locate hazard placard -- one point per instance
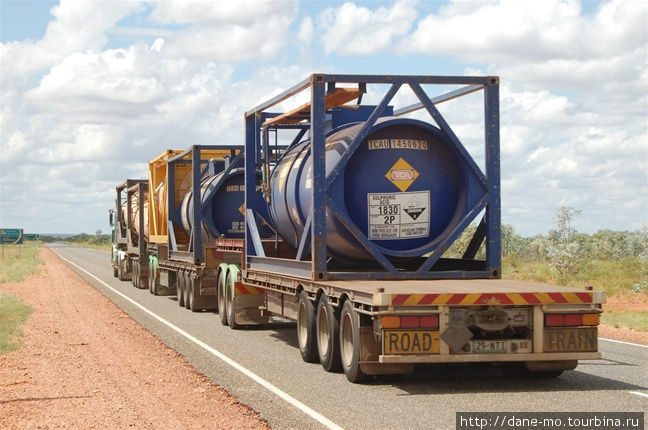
(399, 215)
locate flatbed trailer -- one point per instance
(391, 314)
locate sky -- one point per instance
(91, 90)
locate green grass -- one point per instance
(612, 276)
(629, 319)
(17, 262)
(13, 314)
(90, 244)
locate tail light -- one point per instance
(571, 320)
(410, 321)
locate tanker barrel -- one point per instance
(222, 198)
(405, 189)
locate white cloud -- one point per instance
(240, 12)
(78, 26)
(352, 29)
(510, 30)
(232, 42)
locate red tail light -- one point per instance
(571, 320)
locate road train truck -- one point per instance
(343, 219)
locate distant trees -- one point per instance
(566, 251)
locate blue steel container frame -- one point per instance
(316, 269)
(199, 167)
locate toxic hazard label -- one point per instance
(399, 215)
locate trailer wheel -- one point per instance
(328, 332)
(135, 277)
(151, 278)
(155, 283)
(120, 272)
(192, 297)
(350, 343)
(222, 303)
(187, 289)
(180, 289)
(229, 297)
(306, 329)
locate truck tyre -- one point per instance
(192, 298)
(187, 289)
(135, 277)
(328, 335)
(115, 271)
(306, 329)
(350, 343)
(151, 277)
(222, 302)
(180, 289)
(120, 272)
(229, 298)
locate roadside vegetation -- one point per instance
(615, 262)
(17, 262)
(13, 314)
(98, 241)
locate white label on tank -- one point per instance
(399, 215)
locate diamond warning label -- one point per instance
(402, 174)
(399, 215)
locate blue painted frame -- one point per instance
(316, 235)
(197, 170)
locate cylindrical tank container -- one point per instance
(406, 187)
(134, 212)
(223, 202)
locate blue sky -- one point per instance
(92, 90)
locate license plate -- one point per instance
(411, 342)
(489, 346)
(570, 339)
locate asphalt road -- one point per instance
(264, 369)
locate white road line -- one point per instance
(623, 342)
(285, 396)
(637, 393)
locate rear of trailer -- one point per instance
(366, 202)
(129, 240)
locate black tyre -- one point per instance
(229, 298)
(306, 336)
(350, 344)
(222, 302)
(135, 276)
(120, 272)
(187, 289)
(115, 271)
(180, 289)
(192, 295)
(328, 336)
(154, 275)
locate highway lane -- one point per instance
(427, 398)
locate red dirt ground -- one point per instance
(84, 363)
